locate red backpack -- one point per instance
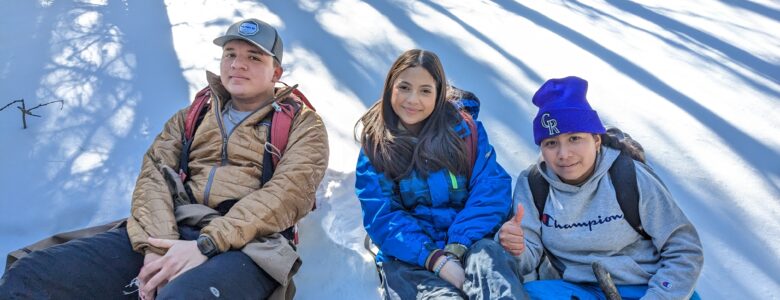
(279, 132)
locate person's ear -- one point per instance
(277, 74)
(597, 141)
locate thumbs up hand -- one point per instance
(511, 233)
(518, 217)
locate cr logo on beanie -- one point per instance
(563, 108)
(550, 124)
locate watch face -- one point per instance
(205, 245)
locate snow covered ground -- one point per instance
(696, 82)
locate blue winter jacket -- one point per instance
(409, 219)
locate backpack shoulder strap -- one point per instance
(195, 114)
(269, 166)
(281, 123)
(201, 101)
(278, 136)
(302, 97)
(622, 173)
(472, 138)
(279, 133)
(467, 104)
(540, 188)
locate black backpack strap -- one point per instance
(540, 188)
(622, 173)
(184, 156)
(268, 172)
(268, 163)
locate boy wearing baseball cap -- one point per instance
(224, 240)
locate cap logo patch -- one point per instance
(248, 28)
(550, 123)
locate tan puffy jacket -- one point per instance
(226, 167)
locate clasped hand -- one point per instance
(159, 270)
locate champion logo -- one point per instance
(549, 221)
(550, 123)
(667, 284)
(248, 28)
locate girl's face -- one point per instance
(572, 156)
(414, 97)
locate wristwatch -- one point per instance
(206, 246)
(456, 249)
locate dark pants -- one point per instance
(104, 266)
(491, 273)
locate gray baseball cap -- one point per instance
(257, 33)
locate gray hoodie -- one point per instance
(584, 224)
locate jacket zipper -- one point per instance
(224, 155)
(218, 115)
(207, 191)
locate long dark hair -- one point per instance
(437, 146)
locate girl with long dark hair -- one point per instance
(429, 208)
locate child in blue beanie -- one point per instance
(582, 223)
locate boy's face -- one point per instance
(247, 72)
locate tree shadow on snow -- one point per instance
(107, 68)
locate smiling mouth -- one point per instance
(410, 110)
(569, 166)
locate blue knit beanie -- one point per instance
(563, 108)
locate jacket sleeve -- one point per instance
(673, 235)
(391, 228)
(287, 197)
(489, 200)
(151, 213)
